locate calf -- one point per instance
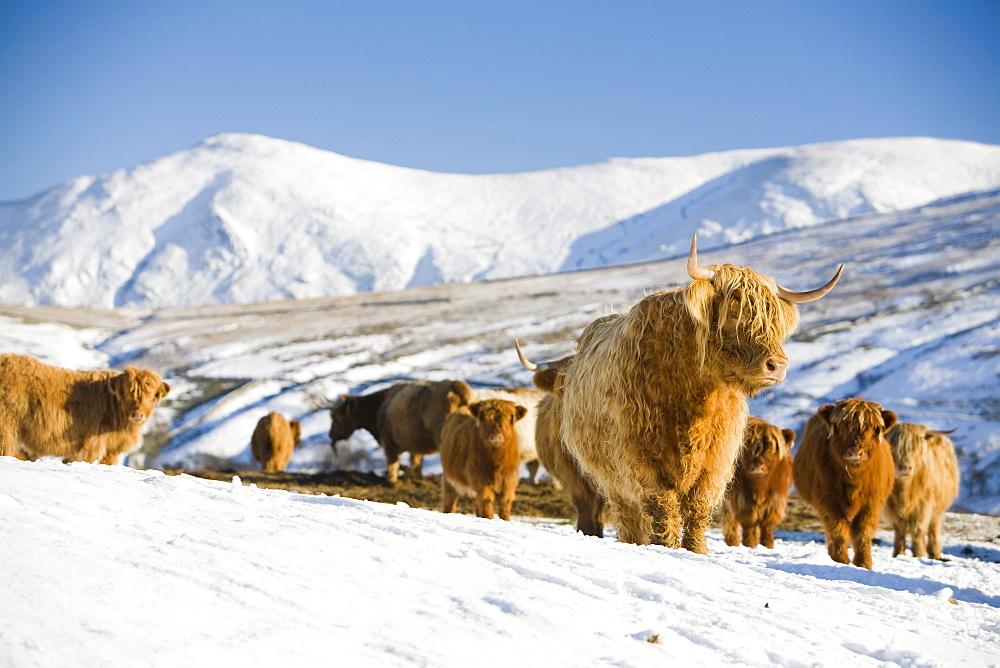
(480, 456)
(843, 468)
(273, 440)
(926, 483)
(528, 398)
(48, 411)
(758, 493)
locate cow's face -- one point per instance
(740, 325)
(856, 429)
(343, 418)
(138, 392)
(764, 446)
(909, 445)
(496, 418)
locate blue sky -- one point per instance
(483, 86)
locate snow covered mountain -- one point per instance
(245, 218)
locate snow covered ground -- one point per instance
(118, 566)
(111, 566)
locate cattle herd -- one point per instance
(646, 427)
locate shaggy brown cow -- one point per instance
(273, 440)
(553, 454)
(843, 469)
(411, 419)
(528, 398)
(926, 483)
(48, 411)
(656, 401)
(480, 456)
(758, 493)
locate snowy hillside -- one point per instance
(244, 218)
(914, 324)
(108, 566)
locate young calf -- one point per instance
(480, 456)
(273, 440)
(844, 470)
(926, 483)
(756, 498)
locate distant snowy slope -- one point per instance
(244, 218)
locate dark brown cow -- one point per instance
(843, 468)
(656, 400)
(480, 456)
(48, 411)
(927, 481)
(352, 412)
(274, 438)
(758, 493)
(553, 454)
(411, 419)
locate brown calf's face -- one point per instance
(139, 391)
(857, 429)
(496, 418)
(343, 418)
(741, 323)
(765, 445)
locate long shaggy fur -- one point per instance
(756, 498)
(352, 412)
(48, 411)
(844, 469)
(274, 438)
(927, 481)
(655, 402)
(480, 456)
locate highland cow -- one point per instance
(758, 493)
(655, 403)
(273, 441)
(480, 456)
(926, 483)
(843, 468)
(528, 398)
(91, 416)
(411, 419)
(352, 412)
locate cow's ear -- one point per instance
(455, 402)
(888, 419)
(475, 408)
(697, 297)
(520, 412)
(163, 391)
(789, 437)
(462, 390)
(826, 413)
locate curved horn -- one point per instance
(944, 433)
(531, 366)
(694, 271)
(810, 295)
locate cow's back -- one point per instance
(272, 442)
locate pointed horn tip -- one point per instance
(530, 366)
